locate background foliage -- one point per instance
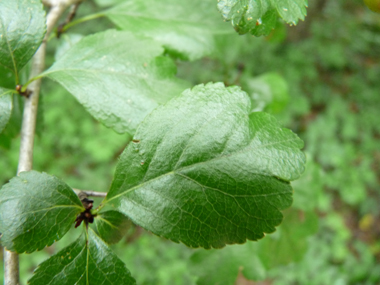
(330, 70)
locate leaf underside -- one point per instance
(118, 77)
(86, 261)
(203, 171)
(36, 209)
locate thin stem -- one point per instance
(64, 29)
(81, 20)
(11, 262)
(31, 80)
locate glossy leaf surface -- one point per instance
(185, 28)
(204, 171)
(5, 107)
(117, 76)
(112, 226)
(259, 17)
(36, 209)
(22, 28)
(86, 261)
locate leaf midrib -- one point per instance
(8, 45)
(192, 165)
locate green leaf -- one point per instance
(13, 127)
(117, 76)
(309, 189)
(204, 171)
(86, 261)
(5, 107)
(36, 209)
(106, 3)
(269, 92)
(185, 28)
(22, 28)
(290, 242)
(66, 41)
(223, 266)
(248, 15)
(112, 226)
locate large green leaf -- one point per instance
(117, 76)
(86, 261)
(204, 171)
(22, 28)
(259, 16)
(5, 107)
(36, 209)
(112, 226)
(185, 28)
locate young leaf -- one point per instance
(204, 171)
(12, 129)
(5, 107)
(22, 28)
(36, 209)
(269, 92)
(291, 240)
(185, 28)
(86, 261)
(223, 266)
(117, 76)
(112, 226)
(248, 15)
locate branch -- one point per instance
(69, 18)
(11, 262)
(91, 193)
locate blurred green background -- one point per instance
(321, 79)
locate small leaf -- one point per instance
(117, 76)
(12, 129)
(86, 261)
(204, 171)
(290, 242)
(22, 28)
(269, 92)
(185, 28)
(248, 15)
(112, 226)
(5, 107)
(36, 209)
(223, 266)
